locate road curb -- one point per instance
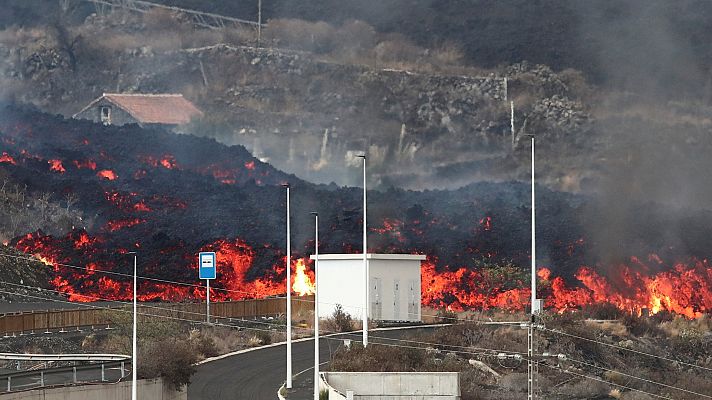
(279, 392)
(243, 351)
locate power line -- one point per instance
(144, 305)
(138, 276)
(449, 345)
(139, 313)
(467, 349)
(627, 349)
(419, 348)
(639, 378)
(256, 294)
(606, 382)
(242, 320)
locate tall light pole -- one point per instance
(530, 334)
(289, 296)
(316, 305)
(366, 282)
(134, 343)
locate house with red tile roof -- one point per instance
(169, 110)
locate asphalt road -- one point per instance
(259, 374)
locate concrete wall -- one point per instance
(153, 389)
(394, 385)
(341, 282)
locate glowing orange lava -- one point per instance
(107, 174)
(302, 281)
(87, 164)
(56, 166)
(6, 158)
(115, 225)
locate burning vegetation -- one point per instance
(192, 194)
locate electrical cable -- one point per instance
(139, 313)
(241, 320)
(606, 382)
(639, 378)
(446, 345)
(626, 349)
(483, 351)
(35, 259)
(144, 305)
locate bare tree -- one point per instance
(66, 42)
(71, 199)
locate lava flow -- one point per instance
(173, 201)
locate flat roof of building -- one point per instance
(371, 256)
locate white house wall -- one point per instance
(404, 273)
(341, 282)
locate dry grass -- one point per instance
(681, 326)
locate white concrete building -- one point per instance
(394, 291)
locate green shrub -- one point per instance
(172, 360)
(640, 326)
(340, 320)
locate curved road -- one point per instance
(258, 374)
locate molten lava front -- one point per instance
(170, 204)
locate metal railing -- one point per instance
(62, 376)
(63, 357)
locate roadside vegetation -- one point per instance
(171, 348)
(609, 351)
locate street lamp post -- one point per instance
(134, 343)
(366, 282)
(533, 265)
(316, 305)
(289, 296)
(531, 366)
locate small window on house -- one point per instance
(105, 115)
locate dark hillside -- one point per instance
(627, 43)
(636, 44)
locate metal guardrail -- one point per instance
(41, 376)
(63, 357)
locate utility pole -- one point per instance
(289, 296)
(316, 305)
(366, 282)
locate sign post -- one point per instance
(207, 271)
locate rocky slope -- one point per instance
(309, 115)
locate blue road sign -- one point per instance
(206, 265)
